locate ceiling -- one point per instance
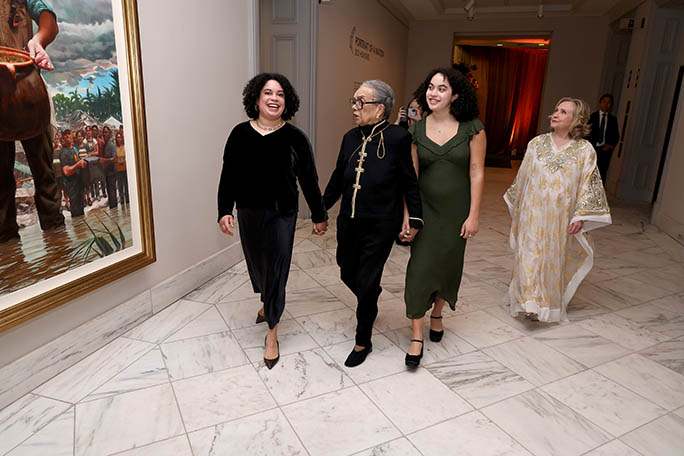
(412, 10)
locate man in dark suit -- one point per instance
(604, 134)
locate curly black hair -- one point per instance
(251, 92)
(463, 108)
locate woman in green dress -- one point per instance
(448, 154)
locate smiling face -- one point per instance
(271, 101)
(562, 117)
(439, 94)
(371, 111)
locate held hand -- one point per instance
(575, 227)
(82, 163)
(470, 227)
(320, 228)
(407, 233)
(227, 223)
(39, 55)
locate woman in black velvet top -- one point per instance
(374, 175)
(262, 162)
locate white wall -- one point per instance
(194, 69)
(575, 60)
(339, 69)
(668, 212)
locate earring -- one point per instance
(256, 106)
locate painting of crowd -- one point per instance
(90, 165)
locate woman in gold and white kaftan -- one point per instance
(556, 199)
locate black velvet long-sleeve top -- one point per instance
(377, 184)
(261, 172)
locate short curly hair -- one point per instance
(579, 127)
(252, 91)
(463, 108)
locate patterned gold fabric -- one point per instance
(554, 187)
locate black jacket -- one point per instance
(387, 179)
(262, 172)
(612, 132)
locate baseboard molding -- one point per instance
(33, 369)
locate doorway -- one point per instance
(509, 74)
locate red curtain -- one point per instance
(515, 81)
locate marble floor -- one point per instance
(191, 380)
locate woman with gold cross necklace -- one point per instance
(374, 175)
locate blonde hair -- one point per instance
(579, 127)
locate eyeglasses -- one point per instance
(358, 103)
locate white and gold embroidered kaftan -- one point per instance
(553, 188)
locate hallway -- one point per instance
(191, 380)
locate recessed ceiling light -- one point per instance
(499, 44)
(541, 44)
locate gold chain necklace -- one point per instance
(264, 127)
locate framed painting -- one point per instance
(75, 200)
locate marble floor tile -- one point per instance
(391, 315)
(266, 433)
(168, 321)
(534, 361)
(344, 294)
(25, 417)
(126, 421)
(210, 322)
(55, 439)
(202, 355)
(305, 246)
(478, 378)
(656, 383)
(622, 331)
(644, 258)
(292, 337)
(327, 241)
(582, 345)
(313, 259)
(614, 448)
(450, 346)
(83, 378)
(240, 268)
(662, 437)
(325, 423)
(636, 291)
(393, 269)
(470, 435)
(415, 399)
(240, 314)
(394, 284)
(330, 328)
(325, 275)
(398, 447)
(673, 303)
(217, 289)
(579, 309)
(385, 359)
(301, 280)
(149, 370)
(311, 301)
(481, 329)
(527, 327)
(241, 293)
(679, 412)
(303, 375)
(596, 293)
(545, 426)
(604, 402)
(176, 446)
(656, 318)
(669, 278)
(670, 354)
(221, 396)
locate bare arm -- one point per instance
(478, 147)
(47, 31)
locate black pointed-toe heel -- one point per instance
(436, 336)
(414, 360)
(270, 363)
(260, 318)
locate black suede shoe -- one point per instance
(436, 336)
(357, 357)
(260, 318)
(414, 360)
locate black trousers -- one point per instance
(603, 162)
(363, 246)
(47, 197)
(111, 189)
(267, 239)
